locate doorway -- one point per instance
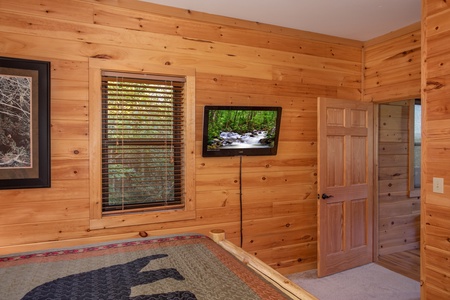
(398, 207)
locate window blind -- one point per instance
(142, 142)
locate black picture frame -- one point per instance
(24, 123)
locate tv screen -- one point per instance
(240, 130)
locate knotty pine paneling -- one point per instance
(76, 11)
(392, 66)
(78, 169)
(400, 160)
(69, 90)
(434, 7)
(236, 62)
(64, 149)
(304, 254)
(212, 31)
(437, 24)
(269, 241)
(392, 73)
(61, 190)
(218, 198)
(398, 214)
(64, 109)
(44, 211)
(286, 208)
(435, 245)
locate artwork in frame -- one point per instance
(24, 123)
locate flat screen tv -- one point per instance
(240, 130)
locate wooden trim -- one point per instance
(413, 191)
(142, 218)
(288, 287)
(363, 73)
(423, 199)
(97, 219)
(189, 142)
(135, 76)
(411, 188)
(376, 206)
(95, 146)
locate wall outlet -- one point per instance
(438, 185)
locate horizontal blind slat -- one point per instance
(142, 141)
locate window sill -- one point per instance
(125, 220)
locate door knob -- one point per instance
(325, 196)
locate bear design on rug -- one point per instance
(114, 282)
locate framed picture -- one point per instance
(24, 123)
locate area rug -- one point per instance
(184, 267)
(366, 282)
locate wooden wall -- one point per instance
(392, 66)
(398, 213)
(436, 149)
(236, 62)
(392, 76)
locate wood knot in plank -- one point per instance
(197, 40)
(102, 56)
(433, 85)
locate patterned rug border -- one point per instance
(98, 247)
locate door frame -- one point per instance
(376, 200)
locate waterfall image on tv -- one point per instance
(240, 130)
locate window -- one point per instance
(415, 143)
(142, 141)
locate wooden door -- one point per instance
(345, 164)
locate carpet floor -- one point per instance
(366, 282)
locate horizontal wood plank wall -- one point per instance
(236, 62)
(398, 214)
(436, 148)
(392, 73)
(392, 66)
